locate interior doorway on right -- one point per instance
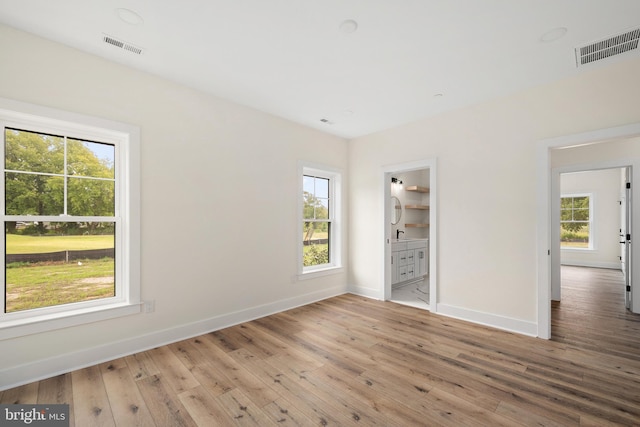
(595, 243)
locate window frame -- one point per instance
(14, 114)
(334, 176)
(590, 223)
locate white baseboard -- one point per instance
(487, 319)
(365, 292)
(518, 326)
(609, 265)
(47, 368)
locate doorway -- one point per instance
(594, 232)
(609, 148)
(410, 232)
(590, 195)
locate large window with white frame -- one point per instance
(320, 234)
(68, 216)
(576, 221)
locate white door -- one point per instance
(625, 236)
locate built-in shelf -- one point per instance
(418, 216)
(417, 188)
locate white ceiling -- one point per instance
(407, 59)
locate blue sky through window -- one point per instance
(105, 152)
(319, 187)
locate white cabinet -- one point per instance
(409, 260)
(422, 263)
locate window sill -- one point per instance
(36, 324)
(320, 272)
(578, 249)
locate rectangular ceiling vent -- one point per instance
(122, 44)
(607, 48)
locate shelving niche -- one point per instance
(417, 189)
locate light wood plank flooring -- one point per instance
(354, 361)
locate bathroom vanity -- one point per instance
(409, 260)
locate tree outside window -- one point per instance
(317, 221)
(60, 224)
(575, 221)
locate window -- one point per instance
(320, 236)
(70, 246)
(576, 221)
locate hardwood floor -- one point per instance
(354, 361)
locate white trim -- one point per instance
(327, 271)
(34, 371)
(127, 215)
(591, 264)
(37, 324)
(336, 203)
(488, 319)
(543, 202)
(366, 292)
(569, 249)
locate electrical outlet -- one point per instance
(149, 306)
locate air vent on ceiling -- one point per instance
(612, 46)
(122, 44)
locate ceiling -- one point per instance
(298, 59)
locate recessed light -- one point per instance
(348, 26)
(348, 112)
(554, 34)
(129, 16)
(438, 95)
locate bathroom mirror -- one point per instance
(396, 210)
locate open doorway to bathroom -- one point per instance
(410, 235)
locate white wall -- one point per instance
(604, 186)
(486, 189)
(219, 203)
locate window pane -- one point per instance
(566, 215)
(574, 235)
(49, 264)
(316, 243)
(581, 202)
(581, 215)
(322, 188)
(33, 152)
(92, 159)
(308, 184)
(308, 211)
(28, 194)
(322, 209)
(316, 197)
(90, 197)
